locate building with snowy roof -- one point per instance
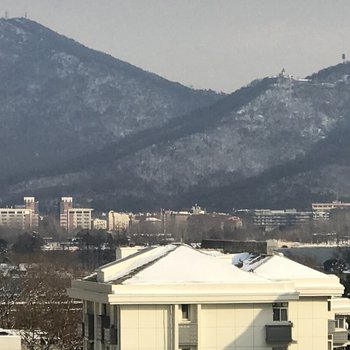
(176, 297)
(308, 282)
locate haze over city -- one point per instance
(218, 45)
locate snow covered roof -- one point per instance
(173, 264)
(340, 306)
(279, 268)
(178, 273)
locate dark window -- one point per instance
(185, 310)
(280, 311)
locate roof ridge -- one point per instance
(259, 260)
(142, 267)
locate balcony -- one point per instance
(102, 321)
(331, 326)
(89, 326)
(340, 336)
(279, 333)
(339, 333)
(188, 334)
(110, 335)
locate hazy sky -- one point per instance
(217, 44)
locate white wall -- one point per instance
(310, 323)
(234, 326)
(145, 327)
(10, 342)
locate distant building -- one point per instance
(65, 204)
(197, 210)
(175, 222)
(23, 216)
(231, 246)
(118, 221)
(267, 218)
(79, 218)
(74, 218)
(30, 203)
(330, 206)
(321, 211)
(99, 224)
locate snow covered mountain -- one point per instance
(279, 142)
(59, 99)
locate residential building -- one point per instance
(279, 268)
(16, 218)
(99, 224)
(267, 218)
(176, 297)
(74, 218)
(23, 216)
(330, 206)
(65, 204)
(33, 205)
(118, 221)
(321, 211)
(79, 218)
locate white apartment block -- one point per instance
(21, 216)
(118, 221)
(79, 218)
(74, 218)
(15, 218)
(267, 218)
(99, 224)
(177, 298)
(321, 211)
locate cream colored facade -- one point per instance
(79, 218)
(175, 297)
(9, 340)
(16, 218)
(74, 218)
(99, 224)
(118, 221)
(321, 211)
(21, 216)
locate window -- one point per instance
(339, 323)
(280, 312)
(104, 309)
(185, 311)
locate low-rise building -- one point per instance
(267, 218)
(99, 224)
(321, 211)
(118, 221)
(175, 297)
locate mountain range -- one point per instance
(76, 121)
